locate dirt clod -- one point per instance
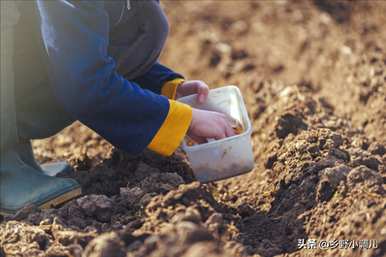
(312, 74)
(289, 123)
(106, 245)
(98, 206)
(329, 181)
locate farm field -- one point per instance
(313, 76)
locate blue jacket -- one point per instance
(129, 114)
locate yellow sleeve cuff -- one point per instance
(173, 130)
(169, 89)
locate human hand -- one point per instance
(208, 124)
(190, 87)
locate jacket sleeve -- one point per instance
(157, 77)
(86, 83)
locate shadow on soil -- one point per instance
(278, 230)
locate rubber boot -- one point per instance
(24, 149)
(21, 184)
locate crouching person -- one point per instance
(95, 62)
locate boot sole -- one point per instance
(55, 201)
(62, 199)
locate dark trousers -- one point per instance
(30, 108)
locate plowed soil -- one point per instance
(313, 75)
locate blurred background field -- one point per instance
(313, 76)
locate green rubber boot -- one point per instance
(21, 183)
(51, 169)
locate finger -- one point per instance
(221, 117)
(229, 132)
(233, 122)
(228, 128)
(202, 91)
(201, 98)
(220, 135)
(187, 88)
(199, 140)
